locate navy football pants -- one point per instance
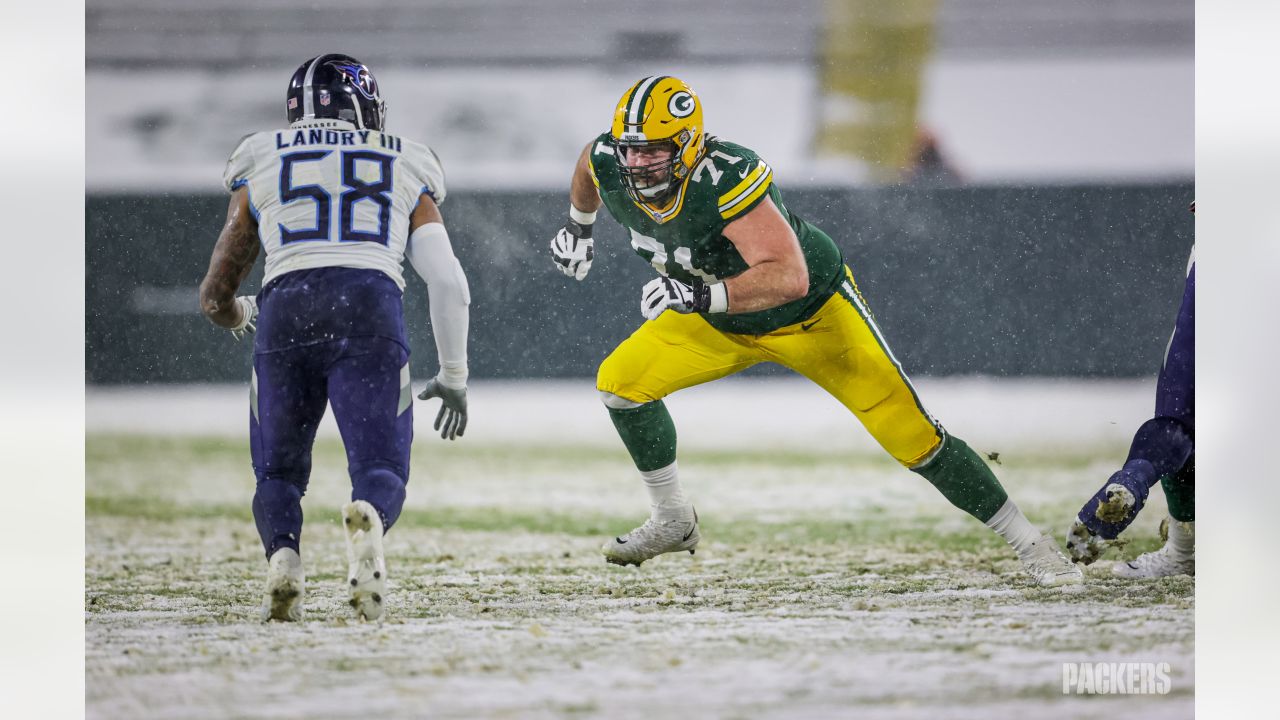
(1167, 441)
(1164, 446)
(366, 380)
(1176, 386)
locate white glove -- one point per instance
(661, 293)
(573, 249)
(248, 306)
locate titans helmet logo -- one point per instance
(681, 104)
(360, 77)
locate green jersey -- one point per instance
(684, 240)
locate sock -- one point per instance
(1010, 524)
(1182, 538)
(648, 433)
(962, 477)
(1180, 492)
(666, 498)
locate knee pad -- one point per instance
(614, 402)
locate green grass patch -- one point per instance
(108, 449)
(902, 533)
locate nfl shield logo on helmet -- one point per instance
(324, 97)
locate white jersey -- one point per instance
(328, 194)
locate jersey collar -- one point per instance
(322, 123)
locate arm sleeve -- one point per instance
(239, 165)
(431, 255)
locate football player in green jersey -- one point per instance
(745, 281)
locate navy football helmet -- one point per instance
(336, 86)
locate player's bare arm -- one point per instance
(572, 248)
(777, 273)
(233, 257)
(582, 191)
(425, 212)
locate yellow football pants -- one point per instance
(840, 348)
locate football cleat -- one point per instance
(652, 539)
(285, 587)
(1083, 545)
(1156, 564)
(367, 570)
(1044, 562)
(1170, 559)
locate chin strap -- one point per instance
(651, 193)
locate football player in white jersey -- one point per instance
(336, 203)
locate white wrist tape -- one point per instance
(719, 298)
(453, 375)
(245, 306)
(582, 218)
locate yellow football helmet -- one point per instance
(658, 112)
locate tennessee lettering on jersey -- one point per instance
(328, 194)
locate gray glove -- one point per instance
(451, 421)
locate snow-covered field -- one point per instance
(829, 583)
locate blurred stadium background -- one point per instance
(1008, 181)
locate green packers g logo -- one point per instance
(681, 104)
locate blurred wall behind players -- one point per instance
(830, 91)
(1027, 164)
